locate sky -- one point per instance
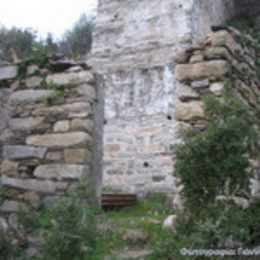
(54, 16)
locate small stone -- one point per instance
(200, 83)
(187, 111)
(169, 221)
(76, 156)
(54, 156)
(222, 38)
(32, 197)
(60, 140)
(9, 72)
(32, 69)
(60, 172)
(134, 236)
(181, 57)
(87, 91)
(33, 82)
(12, 206)
(75, 69)
(185, 93)
(15, 85)
(13, 222)
(196, 58)
(10, 168)
(3, 224)
(78, 124)
(62, 126)
(217, 88)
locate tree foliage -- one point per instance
(77, 42)
(23, 43)
(16, 40)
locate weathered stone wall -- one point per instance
(134, 47)
(225, 57)
(46, 129)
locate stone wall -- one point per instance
(134, 47)
(226, 56)
(48, 116)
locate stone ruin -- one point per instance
(114, 124)
(145, 101)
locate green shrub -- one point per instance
(215, 162)
(73, 234)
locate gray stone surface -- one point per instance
(29, 96)
(12, 206)
(27, 124)
(23, 152)
(60, 172)
(79, 124)
(9, 72)
(73, 78)
(64, 110)
(185, 92)
(33, 82)
(44, 186)
(187, 111)
(87, 91)
(210, 69)
(60, 140)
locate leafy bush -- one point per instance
(215, 162)
(73, 234)
(211, 163)
(7, 249)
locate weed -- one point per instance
(52, 97)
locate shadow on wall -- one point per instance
(247, 8)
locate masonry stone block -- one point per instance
(45, 186)
(210, 69)
(28, 124)
(187, 111)
(185, 92)
(222, 38)
(9, 72)
(12, 206)
(29, 96)
(64, 110)
(23, 152)
(33, 82)
(60, 140)
(73, 78)
(79, 124)
(61, 172)
(62, 126)
(75, 156)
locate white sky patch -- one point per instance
(54, 16)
